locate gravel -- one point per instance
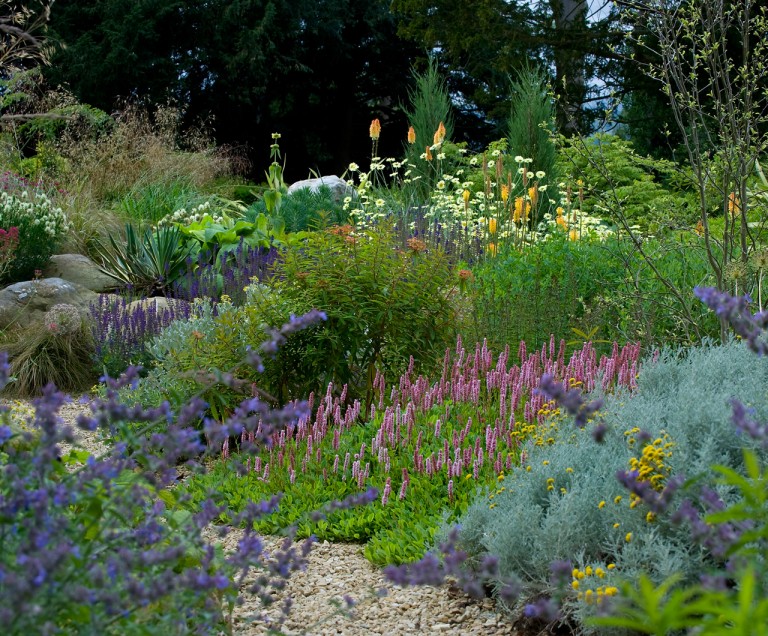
(338, 569)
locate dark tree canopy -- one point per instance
(317, 71)
(483, 44)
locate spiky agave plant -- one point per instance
(149, 263)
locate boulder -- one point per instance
(160, 304)
(22, 304)
(77, 268)
(338, 187)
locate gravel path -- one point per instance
(338, 569)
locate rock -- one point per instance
(160, 304)
(338, 187)
(77, 268)
(22, 304)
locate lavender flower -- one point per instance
(735, 310)
(571, 400)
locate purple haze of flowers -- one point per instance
(735, 310)
(122, 334)
(432, 570)
(226, 273)
(92, 546)
(573, 402)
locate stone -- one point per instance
(159, 304)
(77, 268)
(338, 187)
(22, 304)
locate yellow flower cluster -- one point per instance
(652, 464)
(590, 596)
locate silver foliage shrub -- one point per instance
(684, 394)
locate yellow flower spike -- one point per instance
(628, 537)
(504, 193)
(465, 196)
(611, 566)
(375, 129)
(492, 249)
(492, 226)
(601, 505)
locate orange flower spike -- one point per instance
(440, 134)
(492, 226)
(734, 205)
(533, 193)
(504, 193)
(375, 129)
(518, 209)
(411, 135)
(429, 154)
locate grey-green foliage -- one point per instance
(685, 394)
(430, 104)
(531, 120)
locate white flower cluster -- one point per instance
(35, 210)
(184, 217)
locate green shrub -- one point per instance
(41, 226)
(384, 304)
(617, 181)
(307, 210)
(587, 290)
(430, 106)
(565, 502)
(531, 123)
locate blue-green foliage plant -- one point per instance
(565, 502)
(306, 209)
